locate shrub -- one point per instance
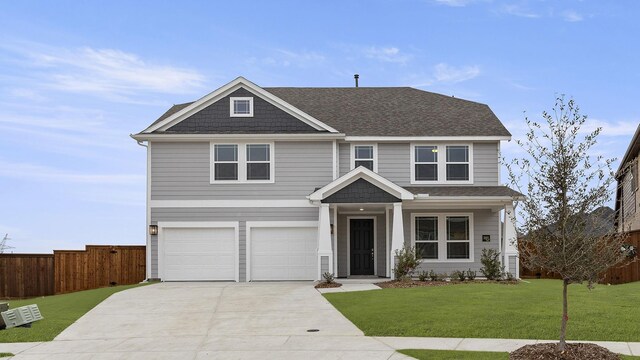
(471, 275)
(458, 275)
(423, 275)
(432, 275)
(328, 277)
(407, 261)
(509, 276)
(491, 268)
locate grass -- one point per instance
(467, 355)
(5, 354)
(455, 355)
(58, 311)
(526, 311)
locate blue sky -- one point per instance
(76, 78)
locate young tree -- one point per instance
(564, 183)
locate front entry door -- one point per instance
(361, 246)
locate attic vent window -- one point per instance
(241, 107)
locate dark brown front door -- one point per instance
(361, 243)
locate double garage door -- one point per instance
(274, 251)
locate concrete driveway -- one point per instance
(213, 321)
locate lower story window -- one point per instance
(443, 237)
(458, 241)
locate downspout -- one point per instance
(148, 211)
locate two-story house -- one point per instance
(627, 195)
(250, 183)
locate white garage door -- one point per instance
(284, 253)
(199, 254)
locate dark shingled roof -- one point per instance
(388, 111)
(463, 190)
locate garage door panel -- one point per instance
(283, 253)
(199, 254)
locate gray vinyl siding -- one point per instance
(242, 215)
(344, 158)
(394, 162)
(486, 167)
(343, 244)
(181, 171)
(485, 222)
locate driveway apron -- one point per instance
(275, 320)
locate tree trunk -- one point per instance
(565, 317)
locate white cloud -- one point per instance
(446, 73)
(454, 3)
(108, 72)
(387, 54)
(45, 173)
(520, 11)
(572, 16)
(611, 128)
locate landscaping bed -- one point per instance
(403, 284)
(572, 352)
(484, 355)
(326, 285)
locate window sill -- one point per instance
(216, 182)
(446, 261)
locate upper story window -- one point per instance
(241, 107)
(458, 163)
(441, 164)
(242, 163)
(443, 237)
(364, 155)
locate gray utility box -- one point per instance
(21, 316)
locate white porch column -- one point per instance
(397, 235)
(324, 241)
(510, 239)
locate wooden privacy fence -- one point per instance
(29, 275)
(26, 275)
(615, 275)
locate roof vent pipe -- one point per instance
(356, 76)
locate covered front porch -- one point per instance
(364, 219)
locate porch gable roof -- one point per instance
(370, 177)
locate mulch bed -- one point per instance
(326, 285)
(403, 284)
(579, 351)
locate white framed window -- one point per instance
(225, 162)
(457, 162)
(443, 237)
(441, 164)
(242, 163)
(364, 155)
(241, 106)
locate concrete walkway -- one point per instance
(234, 321)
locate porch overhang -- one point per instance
(369, 176)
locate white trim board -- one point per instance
(239, 82)
(233, 137)
(263, 224)
(375, 242)
(198, 224)
(425, 138)
(266, 203)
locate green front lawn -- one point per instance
(58, 311)
(526, 311)
(455, 355)
(467, 355)
(5, 354)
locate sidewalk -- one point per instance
(397, 343)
